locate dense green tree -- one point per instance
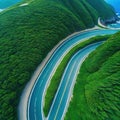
(28, 33)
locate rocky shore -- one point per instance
(114, 19)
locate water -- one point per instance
(115, 25)
(7, 3)
(115, 4)
(1, 10)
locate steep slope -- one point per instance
(101, 7)
(97, 92)
(28, 33)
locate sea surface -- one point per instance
(115, 4)
(115, 25)
(7, 3)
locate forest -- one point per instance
(28, 33)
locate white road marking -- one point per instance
(64, 90)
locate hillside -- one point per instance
(100, 8)
(97, 92)
(28, 33)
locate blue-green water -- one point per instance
(115, 4)
(115, 25)
(1, 10)
(7, 3)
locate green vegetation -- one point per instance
(55, 81)
(28, 33)
(97, 91)
(100, 8)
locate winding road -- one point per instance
(35, 104)
(67, 83)
(32, 100)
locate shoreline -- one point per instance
(1, 10)
(106, 27)
(100, 24)
(22, 107)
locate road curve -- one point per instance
(35, 103)
(65, 89)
